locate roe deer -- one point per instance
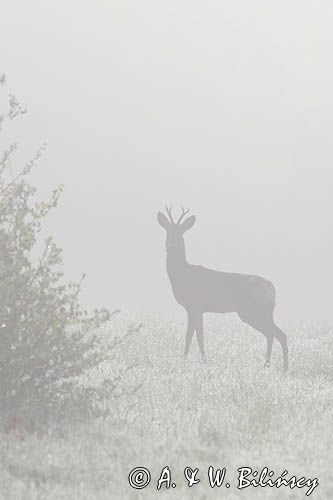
(201, 290)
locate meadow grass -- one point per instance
(230, 412)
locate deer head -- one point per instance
(175, 230)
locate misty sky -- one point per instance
(223, 107)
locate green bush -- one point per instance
(46, 337)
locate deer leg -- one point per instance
(189, 332)
(269, 350)
(263, 324)
(282, 338)
(199, 330)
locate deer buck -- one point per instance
(200, 290)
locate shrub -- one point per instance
(46, 337)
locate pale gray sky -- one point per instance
(224, 107)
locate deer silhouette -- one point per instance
(200, 290)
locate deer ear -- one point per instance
(188, 223)
(162, 220)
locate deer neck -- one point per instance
(176, 263)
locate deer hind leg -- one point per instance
(283, 339)
(270, 339)
(263, 323)
(200, 339)
(189, 332)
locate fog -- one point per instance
(223, 107)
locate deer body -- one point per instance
(200, 290)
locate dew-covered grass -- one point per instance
(230, 412)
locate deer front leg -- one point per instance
(199, 329)
(190, 332)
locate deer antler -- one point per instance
(184, 212)
(169, 213)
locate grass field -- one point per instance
(228, 413)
